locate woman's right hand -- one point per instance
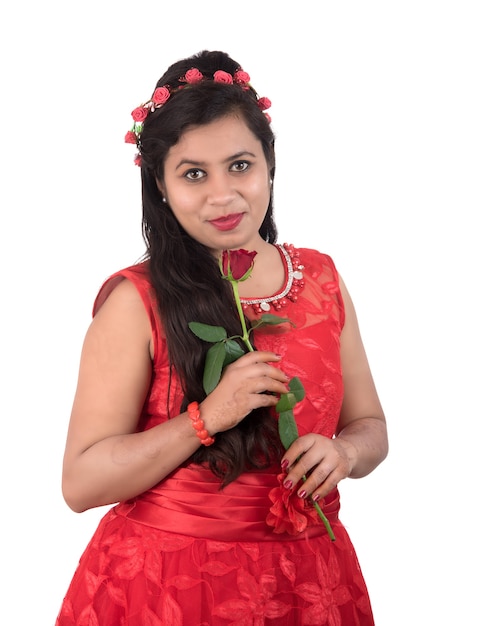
(250, 382)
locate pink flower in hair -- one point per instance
(241, 77)
(222, 77)
(130, 137)
(139, 114)
(193, 76)
(161, 95)
(263, 103)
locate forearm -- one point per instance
(365, 442)
(121, 467)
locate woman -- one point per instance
(216, 522)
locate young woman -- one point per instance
(216, 522)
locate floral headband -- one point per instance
(162, 94)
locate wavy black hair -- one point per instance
(184, 274)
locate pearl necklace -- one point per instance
(294, 284)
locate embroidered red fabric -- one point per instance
(187, 553)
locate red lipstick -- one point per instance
(228, 222)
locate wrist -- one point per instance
(350, 452)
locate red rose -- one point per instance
(289, 513)
(241, 77)
(137, 160)
(267, 117)
(139, 114)
(222, 77)
(264, 103)
(161, 95)
(130, 137)
(237, 264)
(193, 76)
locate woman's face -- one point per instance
(217, 183)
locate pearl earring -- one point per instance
(164, 199)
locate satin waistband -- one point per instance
(190, 502)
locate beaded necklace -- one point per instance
(293, 286)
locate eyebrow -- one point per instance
(233, 157)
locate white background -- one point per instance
(389, 129)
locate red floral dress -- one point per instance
(188, 553)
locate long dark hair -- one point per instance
(184, 274)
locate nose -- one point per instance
(220, 190)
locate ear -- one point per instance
(161, 187)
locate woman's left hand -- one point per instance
(323, 461)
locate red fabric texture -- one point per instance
(187, 553)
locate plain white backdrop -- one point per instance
(388, 118)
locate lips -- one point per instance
(228, 222)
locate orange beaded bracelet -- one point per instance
(198, 424)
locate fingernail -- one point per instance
(302, 494)
(284, 464)
(288, 484)
(316, 497)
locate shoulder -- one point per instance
(128, 294)
(315, 262)
(131, 282)
(320, 268)
(120, 312)
(312, 254)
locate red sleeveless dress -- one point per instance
(188, 553)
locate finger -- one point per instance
(262, 356)
(326, 476)
(259, 373)
(263, 369)
(320, 482)
(293, 459)
(264, 399)
(315, 458)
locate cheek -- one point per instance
(261, 188)
(266, 194)
(181, 200)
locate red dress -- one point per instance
(188, 553)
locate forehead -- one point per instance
(225, 136)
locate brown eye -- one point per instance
(240, 166)
(194, 174)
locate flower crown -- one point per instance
(162, 94)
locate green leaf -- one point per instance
(287, 428)
(232, 351)
(286, 402)
(213, 367)
(295, 386)
(271, 320)
(268, 318)
(208, 333)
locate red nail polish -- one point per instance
(302, 494)
(288, 484)
(284, 464)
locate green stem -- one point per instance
(245, 337)
(325, 521)
(323, 517)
